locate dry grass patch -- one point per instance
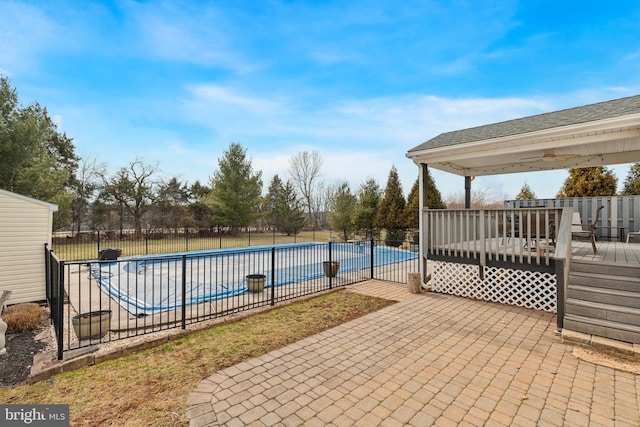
(22, 317)
(151, 387)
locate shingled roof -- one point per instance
(572, 116)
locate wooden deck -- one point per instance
(610, 252)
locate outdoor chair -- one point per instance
(633, 234)
(538, 230)
(504, 229)
(577, 230)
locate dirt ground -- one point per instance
(22, 347)
(610, 360)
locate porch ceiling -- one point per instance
(598, 134)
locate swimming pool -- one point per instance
(151, 284)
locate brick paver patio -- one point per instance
(430, 359)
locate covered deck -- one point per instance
(527, 257)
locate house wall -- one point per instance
(25, 226)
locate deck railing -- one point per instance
(620, 215)
(492, 236)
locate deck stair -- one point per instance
(604, 300)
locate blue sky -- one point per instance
(361, 82)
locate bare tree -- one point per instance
(86, 186)
(304, 170)
(322, 202)
(134, 189)
(480, 199)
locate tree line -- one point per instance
(597, 181)
(39, 161)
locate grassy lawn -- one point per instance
(72, 251)
(150, 388)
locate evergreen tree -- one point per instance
(343, 208)
(288, 213)
(632, 181)
(170, 208)
(368, 196)
(589, 182)
(526, 193)
(201, 213)
(235, 189)
(434, 201)
(271, 200)
(391, 210)
(36, 160)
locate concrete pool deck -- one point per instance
(85, 295)
(430, 359)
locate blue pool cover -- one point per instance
(151, 284)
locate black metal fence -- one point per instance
(115, 298)
(86, 245)
(54, 289)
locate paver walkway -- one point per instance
(428, 360)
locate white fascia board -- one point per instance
(571, 135)
(51, 206)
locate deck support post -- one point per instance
(422, 227)
(467, 191)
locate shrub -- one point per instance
(394, 238)
(22, 317)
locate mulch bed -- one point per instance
(22, 347)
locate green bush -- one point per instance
(394, 238)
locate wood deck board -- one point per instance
(608, 251)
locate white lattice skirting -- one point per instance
(523, 288)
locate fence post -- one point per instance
(98, 242)
(186, 240)
(59, 310)
(372, 257)
(47, 273)
(330, 264)
(273, 276)
(184, 291)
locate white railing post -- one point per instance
(563, 262)
(483, 243)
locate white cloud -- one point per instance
(25, 33)
(363, 138)
(213, 98)
(187, 32)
